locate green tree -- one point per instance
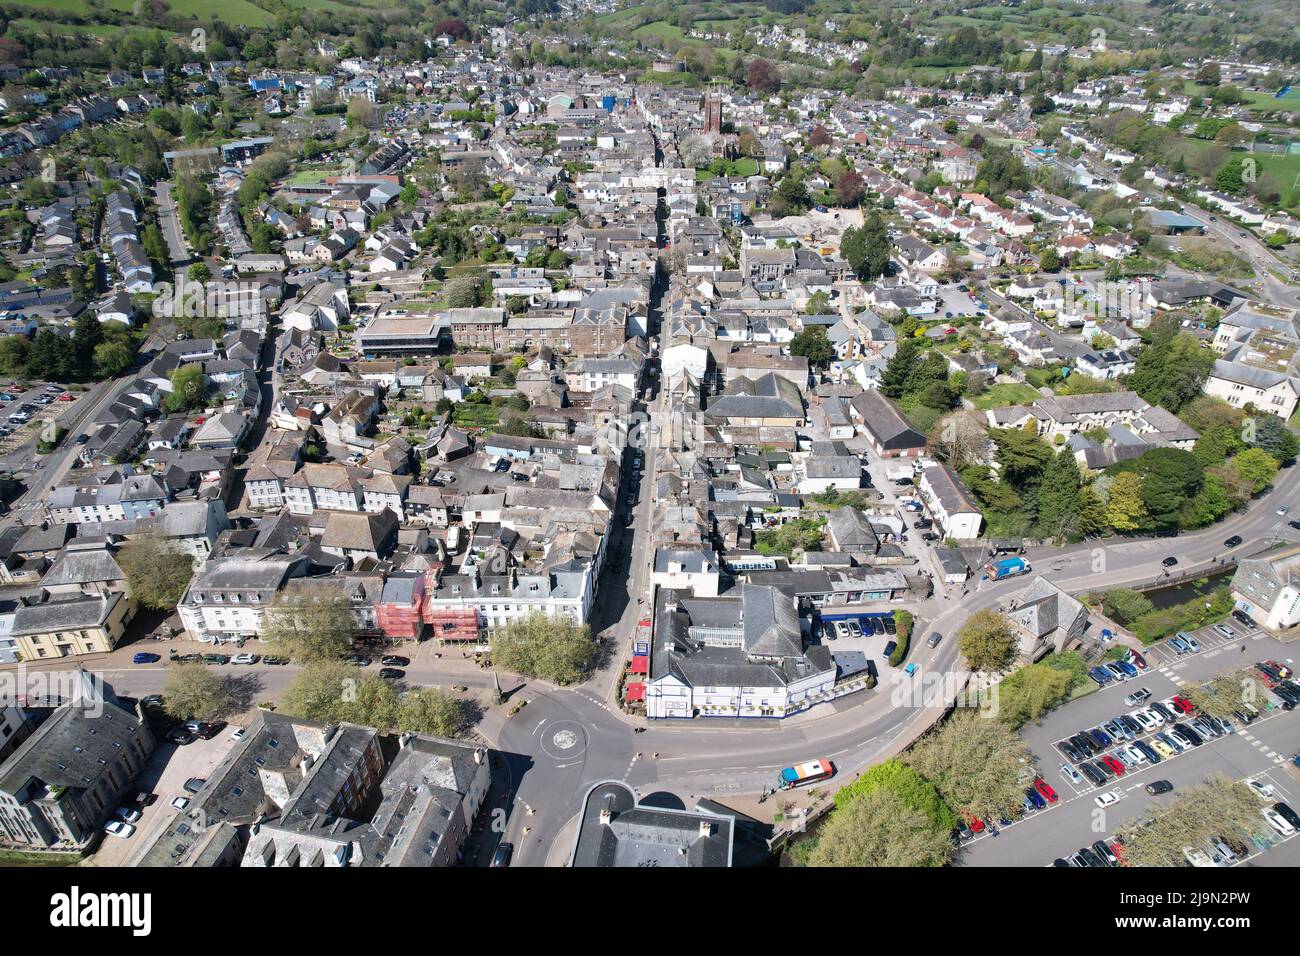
(1125, 510)
(1256, 467)
(987, 640)
(977, 764)
(1171, 370)
(545, 647)
(193, 691)
(189, 389)
(310, 626)
(111, 360)
(1030, 692)
(1060, 495)
(814, 345)
(880, 829)
(157, 572)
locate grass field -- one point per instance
(1013, 393)
(238, 12)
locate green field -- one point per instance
(238, 12)
(1013, 393)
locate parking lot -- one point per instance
(165, 775)
(38, 402)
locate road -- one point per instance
(1262, 259)
(177, 247)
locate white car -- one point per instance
(237, 734)
(1262, 790)
(1137, 755)
(1284, 509)
(1143, 717)
(1069, 773)
(1196, 857)
(1155, 716)
(180, 803)
(127, 814)
(1276, 821)
(124, 830)
(1107, 799)
(244, 659)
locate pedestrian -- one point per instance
(1243, 648)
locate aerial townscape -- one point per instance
(601, 433)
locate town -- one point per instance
(601, 434)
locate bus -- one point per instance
(803, 774)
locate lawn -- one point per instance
(237, 12)
(1010, 393)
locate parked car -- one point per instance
(1107, 799)
(1226, 631)
(360, 660)
(127, 814)
(394, 660)
(1045, 790)
(392, 673)
(146, 658)
(1070, 774)
(1277, 822)
(275, 661)
(119, 829)
(244, 659)
(180, 803)
(181, 736)
(216, 659)
(194, 784)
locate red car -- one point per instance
(975, 823)
(1114, 765)
(1280, 668)
(1045, 791)
(1118, 849)
(1183, 704)
(67, 397)
(1137, 660)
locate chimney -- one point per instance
(606, 817)
(706, 829)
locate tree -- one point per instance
(1021, 454)
(1050, 260)
(820, 136)
(1125, 510)
(157, 572)
(762, 76)
(1059, 495)
(880, 829)
(361, 112)
(193, 691)
(850, 188)
(87, 334)
(1208, 74)
(1256, 467)
(866, 249)
(464, 292)
(111, 360)
(959, 438)
(1269, 433)
(791, 196)
(334, 692)
(310, 626)
(987, 640)
(896, 379)
(1030, 692)
(1126, 605)
(814, 345)
(975, 763)
(1171, 371)
(189, 389)
(13, 355)
(545, 647)
(1215, 808)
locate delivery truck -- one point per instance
(1006, 568)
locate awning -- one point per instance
(634, 691)
(640, 665)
